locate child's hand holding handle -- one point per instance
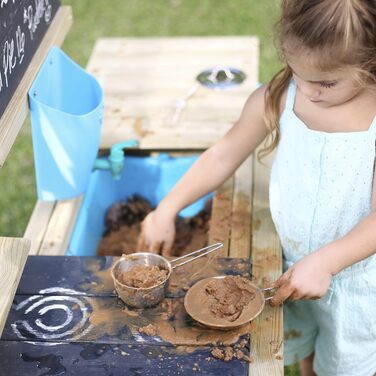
(309, 278)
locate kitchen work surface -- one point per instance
(66, 319)
(152, 94)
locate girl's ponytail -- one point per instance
(273, 96)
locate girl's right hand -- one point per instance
(157, 233)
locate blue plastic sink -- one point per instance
(150, 177)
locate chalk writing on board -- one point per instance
(34, 14)
(23, 24)
(5, 2)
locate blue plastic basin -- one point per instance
(150, 177)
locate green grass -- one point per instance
(95, 18)
(116, 18)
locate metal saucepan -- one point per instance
(200, 310)
(138, 297)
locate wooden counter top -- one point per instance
(145, 78)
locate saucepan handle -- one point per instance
(200, 252)
(269, 292)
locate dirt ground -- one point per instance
(123, 224)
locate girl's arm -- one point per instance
(310, 277)
(213, 168)
(357, 245)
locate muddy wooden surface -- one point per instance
(143, 89)
(68, 304)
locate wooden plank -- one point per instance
(241, 219)
(17, 109)
(21, 358)
(13, 254)
(37, 225)
(220, 221)
(60, 226)
(267, 334)
(139, 76)
(109, 46)
(90, 276)
(164, 139)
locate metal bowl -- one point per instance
(221, 77)
(139, 297)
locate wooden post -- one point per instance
(13, 255)
(241, 218)
(220, 221)
(267, 334)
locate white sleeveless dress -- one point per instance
(320, 188)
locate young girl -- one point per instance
(319, 113)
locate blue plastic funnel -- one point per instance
(66, 105)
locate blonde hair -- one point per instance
(335, 33)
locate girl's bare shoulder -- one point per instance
(256, 101)
(255, 105)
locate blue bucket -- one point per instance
(66, 105)
(149, 177)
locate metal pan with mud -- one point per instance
(200, 311)
(140, 297)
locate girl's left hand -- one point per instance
(309, 278)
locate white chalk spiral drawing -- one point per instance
(76, 311)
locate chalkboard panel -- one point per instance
(23, 24)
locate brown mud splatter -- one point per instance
(291, 334)
(123, 227)
(170, 319)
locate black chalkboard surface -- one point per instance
(23, 24)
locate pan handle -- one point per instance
(208, 249)
(267, 291)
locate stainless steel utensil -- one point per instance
(139, 297)
(200, 311)
(221, 77)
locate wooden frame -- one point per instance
(17, 110)
(13, 255)
(241, 220)
(266, 256)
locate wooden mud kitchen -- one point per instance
(59, 313)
